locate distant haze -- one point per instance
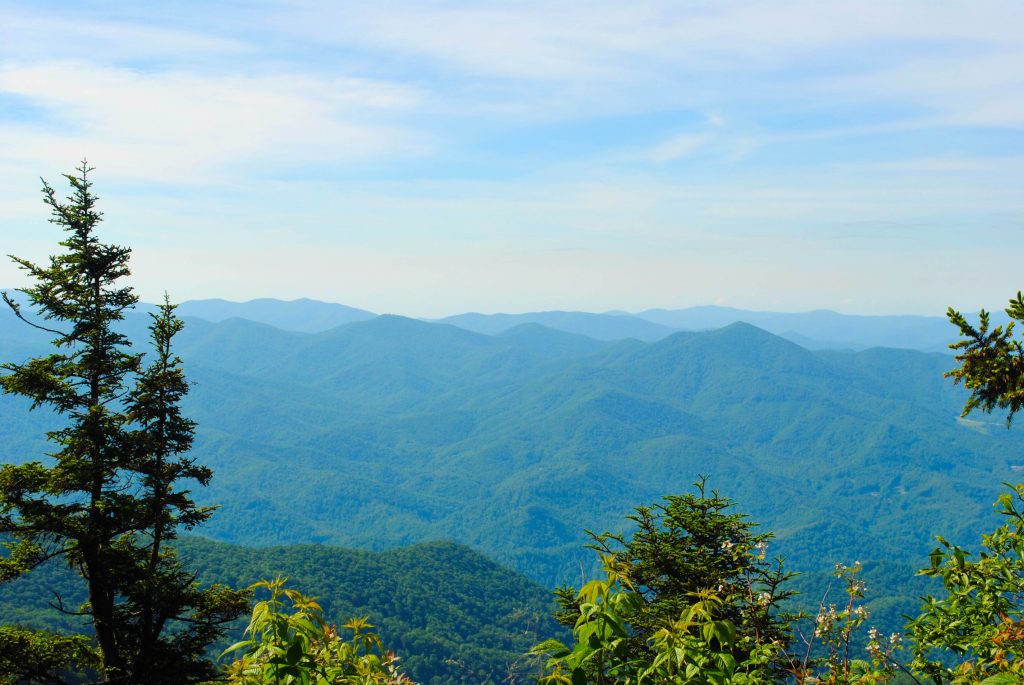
(436, 158)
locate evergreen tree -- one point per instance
(687, 547)
(108, 499)
(991, 361)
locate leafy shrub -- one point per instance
(300, 648)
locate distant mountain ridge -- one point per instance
(596, 326)
(820, 329)
(816, 330)
(304, 315)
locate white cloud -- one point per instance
(615, 55)
(182, 127)
(676, 147)
(41, 35)
(983, 89)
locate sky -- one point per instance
(430, 158)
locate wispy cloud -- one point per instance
(694, 53)
(676, 147)
(37, 33)
(182, 127)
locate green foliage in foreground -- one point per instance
(697, 647)
(300, 648)
(686, 547)
(968, 633)
(973, 633)
(701, 648)
(980, 619)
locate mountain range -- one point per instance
(819, 329)
(392, 431)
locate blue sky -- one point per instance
(432, 158)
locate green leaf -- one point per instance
(294, 654)
(235, 647)
(1002, 679)
(553, 647)
(725, 631)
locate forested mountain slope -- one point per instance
(451, 614)
(392, 431)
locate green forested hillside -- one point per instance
(451, 614)
(393, 431)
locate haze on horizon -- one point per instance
(435, 158)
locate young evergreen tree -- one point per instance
(108, 498)
(690, 546)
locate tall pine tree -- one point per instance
(109, 497)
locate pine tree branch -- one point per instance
(16, 308)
